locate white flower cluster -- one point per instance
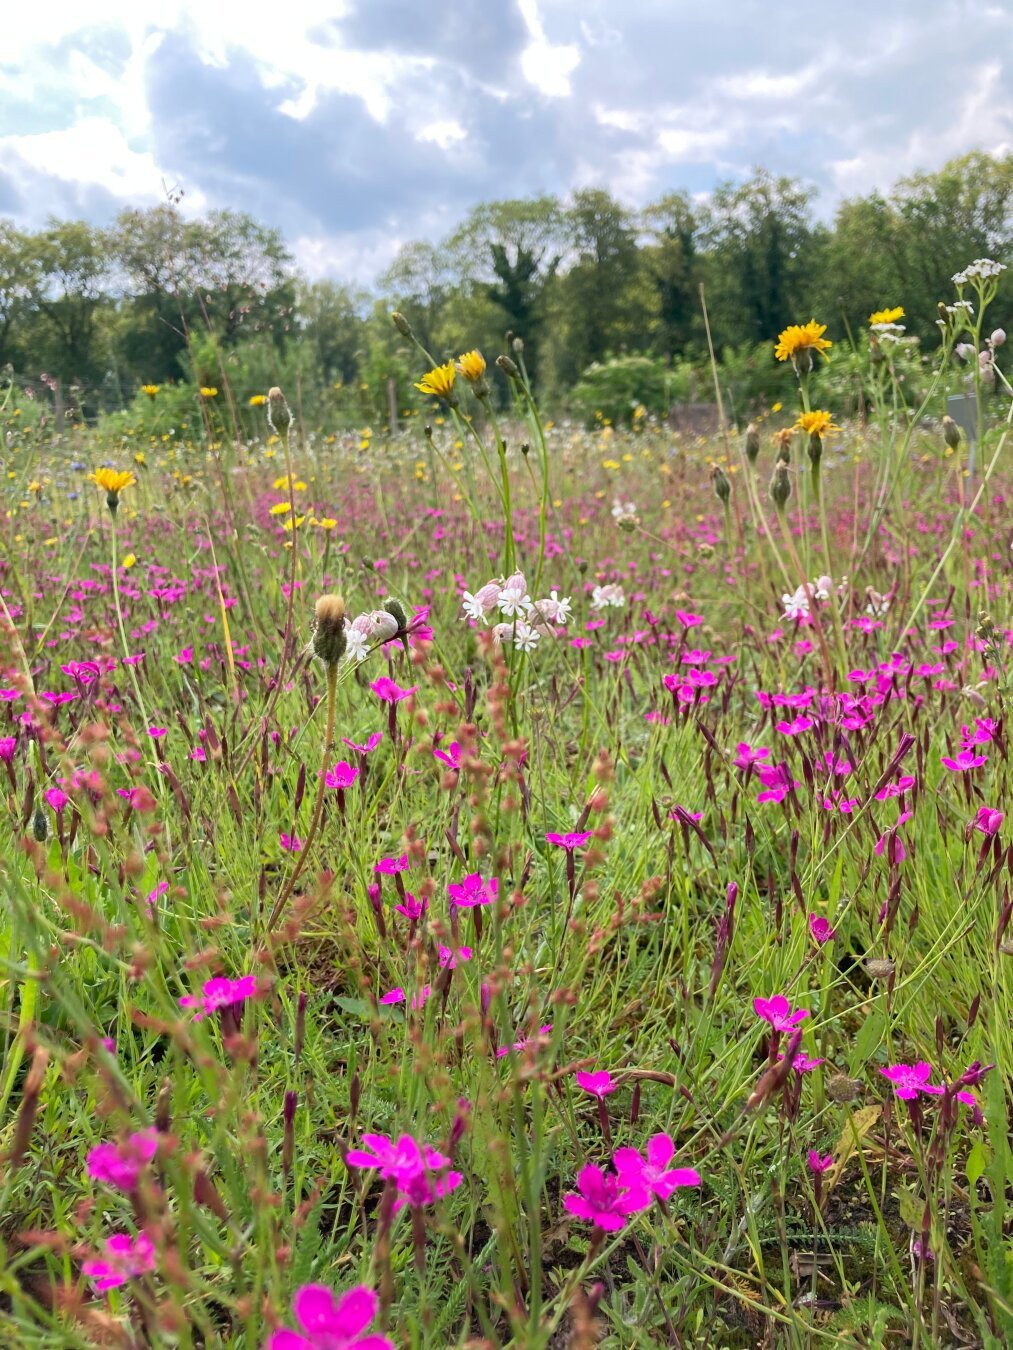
(364, 632)
(797, 606)
(622, 510)
(982, 269)
(605, 597)
(529, 620)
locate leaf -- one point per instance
(358, 1007)
(977, 1161)
(858, 1125)
(867, 1041)
(912, 1208)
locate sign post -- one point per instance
(963, 408)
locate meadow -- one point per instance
(512, 884)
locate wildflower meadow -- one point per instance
(514, 882)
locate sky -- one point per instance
(356, 125)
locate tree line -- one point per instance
(157, 298)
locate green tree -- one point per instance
(20, 279)
(72, 290)
(671, 257)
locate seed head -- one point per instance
(951, 432)
(878, 968)
(841, 1088)
(279, 414)
(329, 639)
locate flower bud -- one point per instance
(951, 432)
(401, 324)
(509, 367)
(998, 337)
(395, 609)
(815, 448)
(722, 487)
(279, 414)
(752, 446)
(383, 625)
(329, 639)
(780, 486)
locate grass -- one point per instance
(164, 725)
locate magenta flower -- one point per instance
(569, 841)
(7, 747)
(911, 1079)
(291, 843)
(777, 1011)
(818, 1164)
(419, 1170)
(156, 733)
(604, 1200)
(803, 1064)
(820, 929)
(599, 1084)
(988, 820)
(451, 756)
(745, 755)
(387, 867)
(777, 782)
(890, 838)
(412, 908)
(387, 691)
(653, 1173)
(449, 958)
(964, 761)
(370, 745)
(220, 993)
(895, 789)
(124, 1258)
(473, 890)
(56, 798)
(526, 1042)
(120, 1165)
(331, 1323)
(342, 776)
(398, 995)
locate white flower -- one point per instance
(564, 607)
(603, 596)
(472, 607)
(620, 509)
(796, 606)
(526, 638)
(357, 645)
(514, 602)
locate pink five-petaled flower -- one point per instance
(599, 1084)
(220, 993)
(7, 748)
(604, 1200)
(343, 775)
(370, 745)
(820, 929)
(291, 843)
(964, 761)
(745, 755)
(120, 1165)
(988, 820)
(526, 1042)
(818, 1164)
(451, 756)
(387, 867)
(569, 841)
(388, 691)
(398, 995)
(331, 1323)
(473, 890)
(418, 1170)
(124, 1258)
(412, 908)
(653, 1172)
(910, 1079)
(777, 1011)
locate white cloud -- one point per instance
(547, 66)
(442, 133)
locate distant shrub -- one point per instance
(613, 391)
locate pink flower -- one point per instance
(569, 841)
(899, 852)
(777, 1011)
(156, 733)
(387, 691)
(290, 843)
(450, 756)
(412, 908)
(387, 867)
(599, 1084)
(965, 761)
(343, 775)
(820, 929)
(527, 1042)
(796, 727)
(7, 747)
(910, 1079)
(984, 731)
(745, 755)
(988, 820)
(895, 789)
(220, 993)
(56, 798)
(818, 1164)
(777, 782)
(120, 1165)
(449, 958)
(473, 890)
(330, 1323)
(418, 1169)
(370, 745)
(125, 1257)
(398, 995)
(653, 1172)
(803, 1064)
(604, 1200)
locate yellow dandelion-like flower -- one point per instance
(150, 389)
(439, 381)
(257, 400)
(816, 423)
(801, 337)
(293, 523)
(327, 523)
(471, 366)
(887, 315)
(112, 481)
(129, 561)
(208, 391)
(281, 508)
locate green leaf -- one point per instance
(868, 1039)
(977, 1161)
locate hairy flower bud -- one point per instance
(509, 367)
(951, 432)
(780, 486)
(396, 610)
(279, 414)
(722, 487)
(329, 639)
(752, 446)
(401, 324)
(815, 448)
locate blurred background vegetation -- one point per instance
(605, 299)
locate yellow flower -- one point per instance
(800, 337)
(775, 407)
(128, 561)
(815, 423)
(292, 524)
(207, 391)
(887, 315)
(139, 457)
(280, 508)
(150, 389)
(439, 381)
(257, 400)
(327, 523)
(112, 481)
(471, 366)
